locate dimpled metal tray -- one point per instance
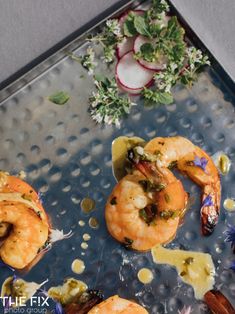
(67, 157)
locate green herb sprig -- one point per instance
(107, 104)
(109, 39)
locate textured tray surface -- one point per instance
(67, 157)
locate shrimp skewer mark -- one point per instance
(117, 305)
(187, 157)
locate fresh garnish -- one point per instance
(88, 60)
(233, 266)
(200, 162)
(151, 187)
(152, 51)
(109, 39)
(148, 213)
(189, 260)
(106, 104)
(207, 201)
(58, 308)
(173, 165)
(128, 243)
(230, 236)
(59, 98)
(168, 214)
(167, 197)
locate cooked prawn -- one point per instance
(20, 208)
(117, 305)
(198, 166)
(142, 218)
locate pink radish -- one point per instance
(127, 44)
(131, 76)
(154, 66)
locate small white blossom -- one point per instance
(58, 235)
(114, 26)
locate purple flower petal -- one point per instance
(58, 308)
(200, 162)
(233, 266)
(207, 201)
(230, 236)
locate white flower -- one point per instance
(108, 119)
(97, 117)
(114, 26)
(117, 123)
(57, 235)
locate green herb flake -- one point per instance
(167, 197)
(59, 98)
(141, 25)
(39, 213)
(107, 104)
(173, 165)
(168, 214)
(148, 213)
(128, 243)
(189, 260)
(113, 201)
(207, 271)
(151, 187)
(129, 27)
(26, 197)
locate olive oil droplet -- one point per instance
(87, 205)
(229, 204)
(145, 275)
(93, 223)
(78, 266)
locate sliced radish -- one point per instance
(128, 90)
(131, 76)
(154, 66)
(127, 44)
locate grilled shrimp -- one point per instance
(198, 166)
(117, 305)
(141, 213)
(20, 208)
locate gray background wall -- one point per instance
(30, 27)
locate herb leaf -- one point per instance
(148, 213)
(129, 28)
(157, 96)
(59, 98)
(141, 26)
(147, 50)
(107, 104)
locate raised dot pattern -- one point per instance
(68, 157)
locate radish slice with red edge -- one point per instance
(127, 44)
(131, 75)
(153, 66)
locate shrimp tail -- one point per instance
(209, 213)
